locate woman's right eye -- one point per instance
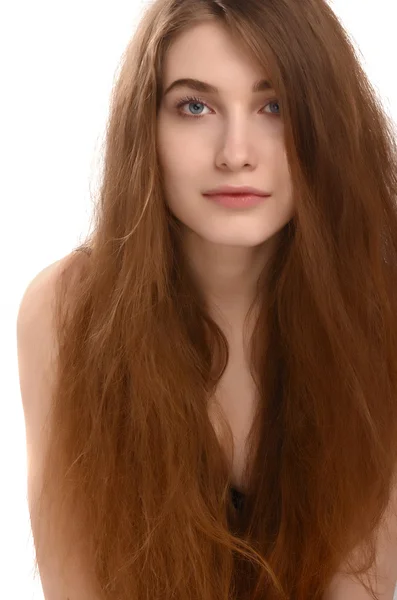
(189, 100)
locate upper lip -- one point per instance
(231, 189)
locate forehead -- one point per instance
(206, 52)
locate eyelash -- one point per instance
(189, 99)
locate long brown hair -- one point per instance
(131, 448)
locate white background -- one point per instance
(57, 64)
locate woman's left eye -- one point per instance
(190, 100)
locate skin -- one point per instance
(238, 141)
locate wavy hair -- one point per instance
(131, 449)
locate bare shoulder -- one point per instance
(37, 345)
(37, 353)
(40, 291)
(36, 339)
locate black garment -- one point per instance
(237, 498)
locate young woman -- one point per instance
(210, 389)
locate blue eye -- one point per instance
(192, 99)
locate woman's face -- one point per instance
(238, 140)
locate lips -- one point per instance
(236, 196)
(237, 201)
(236, 191)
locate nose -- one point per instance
(236, 150)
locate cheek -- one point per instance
(184, 164)
(289, 198)
(171, 151)
(164, 142)
(180, 144)
(282, 173)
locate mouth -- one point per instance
(229, 190)
(237, 201)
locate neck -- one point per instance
(227, 275)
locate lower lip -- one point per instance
(237, 200)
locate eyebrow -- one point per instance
(206, 88)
